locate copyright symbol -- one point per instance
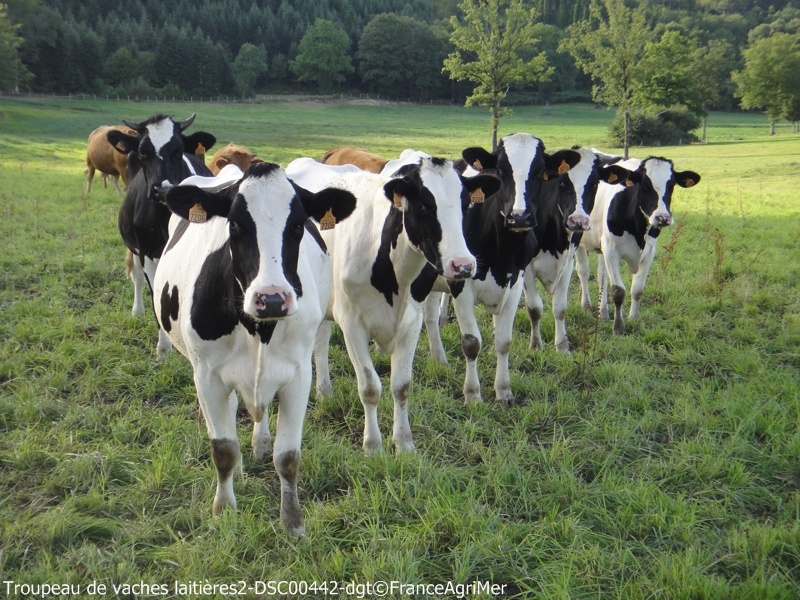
(381, 588)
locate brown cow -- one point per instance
(348, 155)
(101, 156)
(232, 154)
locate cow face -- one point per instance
(158, 148)
(519, 162)
(578, 172)
(267, 216)
(433, 196)
(656, 178)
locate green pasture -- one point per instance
(660, 464)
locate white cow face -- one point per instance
(657, 179)
(267, 217)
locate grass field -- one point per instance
(661, 464)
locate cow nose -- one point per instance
(519, 220)
(461, 268)
(272, 303)
(662, 220)
(578, 223)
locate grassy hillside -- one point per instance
(663, 463)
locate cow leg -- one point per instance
(503, 329)
(464, 306)
(369, 384)
(640, 277)
(261, 441)
(602, 283)
(402, 372)
(115, 179)
(134, 270)
(218, 405)
(432, 322)
(582, 258)
(612, 262)
(292, 402)
(164, 343)
(89, 177)
(444, 310)
(535, 305)
(560, 300)
(322, 371)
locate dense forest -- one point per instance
(394, 48)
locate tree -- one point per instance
(489, 44)
(323, 55)
(609, 47)
(713, 65)
(249, 65)
(770, 79)
(11, 67)
(666, 75)
(399, 56)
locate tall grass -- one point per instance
(660, 464)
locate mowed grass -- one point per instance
(660, 464)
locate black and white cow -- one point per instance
(400, 224)
(499, 232)
(562, 217)
(240, 292)
(159, 156)
(625, 224)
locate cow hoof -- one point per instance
(563, 346)
(221, 504)
(137, 311)
(372, 447)
(404, 446)
(472, 397)
(263, 453)
(441, 359)
(619, 327)
(587, 306)
(505, 397)
(604, 315)
(536, 344)
(297, 532)
(324, 390)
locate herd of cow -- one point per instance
(249, 264)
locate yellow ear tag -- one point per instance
(545, 176)
(200, 149)
(628, 183)
(612, 177)
(689, 183)
(398, 200)
(477, 196)
(328, 221)
(197, 214)
(563, 167)
(477, 165)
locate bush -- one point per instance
(668, 128)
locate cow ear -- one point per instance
(478, 158)
(481, 185)
(687, 179)
(329, 206)
(562, 161)
(122, 142)
(397, 191)
(198, 143)
(614, 174)
(198, 205)
(219, 163)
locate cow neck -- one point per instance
(551, 234)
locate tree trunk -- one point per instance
(495, 119)
(627, 133)
(772, 127)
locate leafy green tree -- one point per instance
(323, 55)
(490, 42)
(713, 62)
(770, 79)
(666, 75)
(11, 68)
(609, 47)
(121, 66)
(249, 65)
(400, 56)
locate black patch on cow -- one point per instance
(383, 277)
(456, 287)
(421, 287)
(296, 225)
(215, 300)
(420, 219)
(169, 307)
(312, 230)
(180, 229)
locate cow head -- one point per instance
(576, 173)
(433, 196)
(519, 162)
(158, 148)
(232, 154)
(655, 179)
(267, 216)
